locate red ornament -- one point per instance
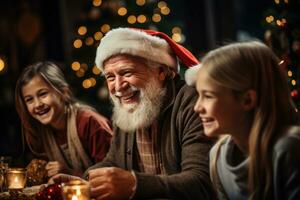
(294, 94)
(51, 192)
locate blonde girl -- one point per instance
(243, 94)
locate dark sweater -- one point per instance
(183, 146)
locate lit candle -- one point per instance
(15, 178)
(74, 197)
(76, 190)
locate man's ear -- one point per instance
(249, 99)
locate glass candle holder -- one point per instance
(15, 178)
(76, 190)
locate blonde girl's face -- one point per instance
(43, 102)
(219, 109)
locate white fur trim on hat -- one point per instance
(190, 75)
(136, 43)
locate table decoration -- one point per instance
(15, 178)
(76, 190)
(51, 192)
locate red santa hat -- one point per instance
(149, 44)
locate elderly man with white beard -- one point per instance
(159, 149)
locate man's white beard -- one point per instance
(130, 117)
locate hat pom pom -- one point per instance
(191, 74)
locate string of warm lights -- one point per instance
(85, 37)
(278, 21)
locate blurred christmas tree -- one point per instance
(96, 19)
(282, 24)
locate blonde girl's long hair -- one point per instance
(252, 65)
(53, 75)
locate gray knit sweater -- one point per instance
(286, 168)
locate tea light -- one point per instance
(15, 178)
(76, 190)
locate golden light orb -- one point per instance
(293, 82)
(141, 19)
(140, 2)
(156, 18)
(165, 10)
(176, 29)
(97, 3)
(77, 43)
(176, 37)
(279, 23)
(89, 41)
(98, 35)
(75, 65)
(105, 28)
(80, 73)
(87, 83)
(270, 19)
(290, 73)
(96, 70)
(131, 19)
(2, 64)
(161, 4)
(82, 30)
(122, 11)
(93, 81)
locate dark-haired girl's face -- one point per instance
(43, 102)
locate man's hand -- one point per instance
(111, 183)
(54, 167)
(62, 178)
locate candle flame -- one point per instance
(74, 197)
(78, 192)
(16, 180)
